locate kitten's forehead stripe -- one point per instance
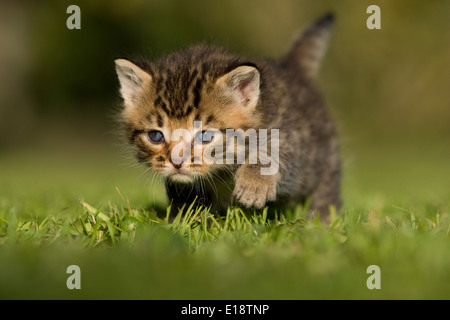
(193, 75)
(159, 85)
(160, 121)
(158, 101)
(195, 81)
(197, 116)
(188, 110)
(197, 92)
(186, 81)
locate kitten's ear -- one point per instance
(133, 80)
(307, 52)
(241, 85)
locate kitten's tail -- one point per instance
(308, 50)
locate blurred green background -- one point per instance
(387, 89)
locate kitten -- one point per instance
(209, 86)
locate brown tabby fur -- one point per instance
(183, 86)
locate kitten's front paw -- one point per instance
(253, 189)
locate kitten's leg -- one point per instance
(253, 189)
(327, 193)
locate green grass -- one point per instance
(61, 209)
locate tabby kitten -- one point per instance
(219, 90)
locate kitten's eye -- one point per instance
(204, 137)
(156, 136)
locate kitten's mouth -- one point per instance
(180, 177)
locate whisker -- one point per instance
(211, 182)
(218, 177)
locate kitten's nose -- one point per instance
(177, 163)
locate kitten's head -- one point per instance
(170, 106)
